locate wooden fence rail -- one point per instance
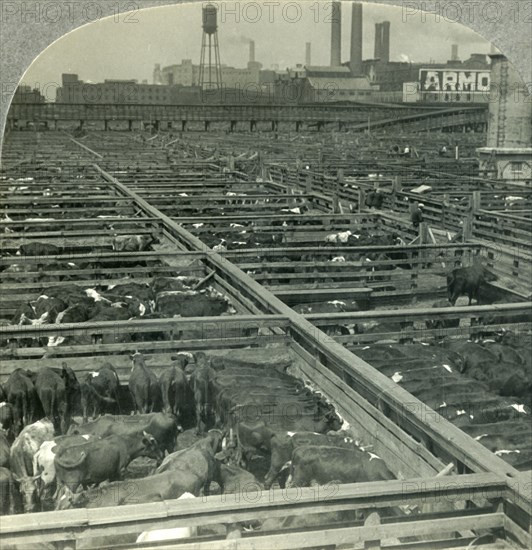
(251, 503)
(438, 211)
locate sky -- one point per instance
(130, 47)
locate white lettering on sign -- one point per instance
(444, 80)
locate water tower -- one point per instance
(210, 72)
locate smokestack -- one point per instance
(307, 54)
(252, 51)
(336, 34)
(355, 60)
(378, 41)
(385, 51)
(454, 52)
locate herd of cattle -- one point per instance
(483, 387)
(251, 234)
(69, 302)
(204, 425)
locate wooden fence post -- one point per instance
(372, 520)
(396, 188)
(336, 190)
(361, 199)
(335, 199)
(468, 221)
(424, 237)
(475, 201)
(444, 207)
(468, 226)
(308, 183)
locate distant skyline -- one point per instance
(129, 50)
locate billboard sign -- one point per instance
(446, 80)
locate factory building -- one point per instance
(508, 153)
(392, 75)
(380, 79)
(25, 94)
(322, 84)
(74, 90)
(337, 82)
(187, 73)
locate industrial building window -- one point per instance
(517, 168)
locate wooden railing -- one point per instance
(250, 504)
(440, 211)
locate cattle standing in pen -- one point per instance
(101, 460)
(99, 392)
(23, 398)
(51, 389)
(162, 426)
(467, 280)
(143, 385)
(21, 459)
(173, 385)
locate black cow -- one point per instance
(374, 199)
(25, 314)
(140, 291)
(283, 444)
(198, 459)
(6, 416)
(289, 416)
(133, 243)
(53, 306)
(467, 280)
(99, 391)
(235, 480)
(200, 386)
(324, 464)
(167, 284)
(155, 488)
(191, 303)
(4, 450)
(39, 249)
(73, 391)
(162, 426)
(10, 499)
(108, 313)
(71, 294)
(173, 386)
(22, 396)
(472, 356)
(102, 459)
(143, 385)
(501, 319)
(51, 389)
